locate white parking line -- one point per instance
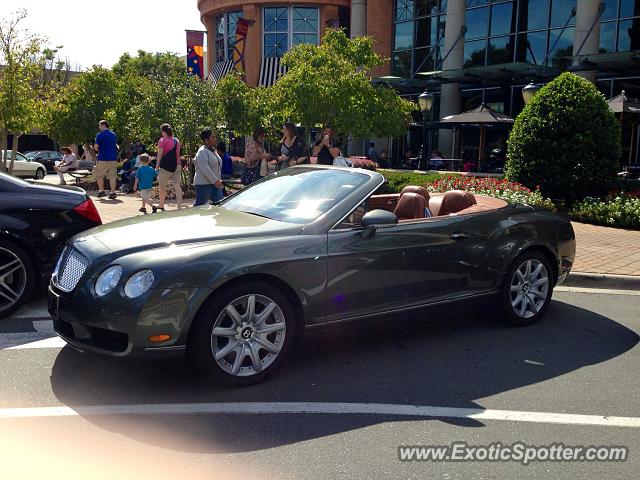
(607, 291)
(247, 408)
(30, 340)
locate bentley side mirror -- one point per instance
(375, 219)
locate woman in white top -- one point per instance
(69, 162)
(207, 179)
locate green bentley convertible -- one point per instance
(236, 284)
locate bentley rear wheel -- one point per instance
(242, 335)
(526, 292)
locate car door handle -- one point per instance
(458, 236)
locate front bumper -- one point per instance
(119, 326)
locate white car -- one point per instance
(24, 167)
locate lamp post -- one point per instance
(529, 92)
(425, 100)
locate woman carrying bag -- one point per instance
(293, 151)
(254, 155)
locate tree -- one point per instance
(73, 115)
(19, 53)
(329, 84)
(149, 64)
(566, 140)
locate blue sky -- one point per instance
(99, 32)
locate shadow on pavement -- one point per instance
(449, 362)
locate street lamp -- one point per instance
(425, 100)
(529, 92)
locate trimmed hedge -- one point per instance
(396, 181)
(566, 140)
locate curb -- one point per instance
(603, 281)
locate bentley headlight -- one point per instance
(108, 280)
(138, 283)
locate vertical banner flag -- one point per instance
(195, 52)
(242, 27)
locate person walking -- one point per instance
(292, 149)
(168, 165)
(69, 162)
(326, 147)
(207, 179)
(227, 162)
(106, 144)
(145, 175)
(254, 154)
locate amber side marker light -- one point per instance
(159, 338)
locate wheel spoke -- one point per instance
(521, 278)
(8, 293)
(235, 316)
(255, 358)
(532, 302)
(228, 348)
(527, 273)
(537, 293)
(239, 359)
(270, 328)
(516, 288)
(537, 271)
(267, 345)
(523, 306)
(10, 267)
(265, 314)
(539, 283)
(251, 308)
(224, 332)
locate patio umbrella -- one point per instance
(482, 117)
(621, 104)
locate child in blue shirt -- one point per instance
(144, 181)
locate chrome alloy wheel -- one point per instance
(13, 279)
(529, 288)
(248, 335)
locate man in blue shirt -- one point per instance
(106, 145)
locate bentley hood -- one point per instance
(192, 225)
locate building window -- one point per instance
(620, 26)
(418, 36)
(528, 38)
(285, 27)
(225, 34)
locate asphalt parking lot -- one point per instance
(341, 405)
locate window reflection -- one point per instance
(500, 50)
(502, 19)
(610, 10)
(560, 57)
(477, 21)
(537, 13)
(402, 64)
(629, 8)
(561, 11)
(404, 35)
(608, 37)
(474, 53)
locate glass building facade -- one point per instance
(225, 36)
(285, 27)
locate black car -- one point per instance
(35, 222)
(46, 157)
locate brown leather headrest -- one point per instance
(410, 206)
(456, 200)
(415, 189)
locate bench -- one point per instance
(78, 174)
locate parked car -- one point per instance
(24, 167)
(306, 248)
(46, 157)
(35, 222)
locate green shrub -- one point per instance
(396, 181)
(566, 140)
(621, 211)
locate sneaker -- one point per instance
(112, 196)
(101, 194)
(143, 210)
(155, 209)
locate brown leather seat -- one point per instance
(454, 201)
(415, 189)
(410, 206)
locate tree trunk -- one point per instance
(14, 148)
(3, 148)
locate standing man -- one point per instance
(106, 144)
(208, 171)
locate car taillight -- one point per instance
(88, 210)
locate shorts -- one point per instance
(164, 176)
(146, 193)
(106, 168)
